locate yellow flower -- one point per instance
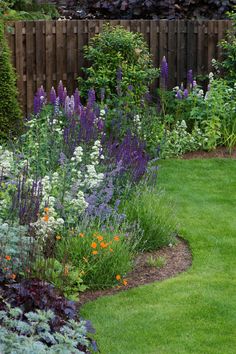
(58, 237)
(118, 277)
(93, 245)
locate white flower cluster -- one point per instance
(137, 122)
(78, 154)
(46, 227)
(6, 162)
(92, 178)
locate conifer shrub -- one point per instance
(10, 113)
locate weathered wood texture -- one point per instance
(44, 52)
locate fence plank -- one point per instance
(30, 64)
(49, 55)
(39, 53)
(181, 54)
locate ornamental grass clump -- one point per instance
(100, 255)
(148, 207)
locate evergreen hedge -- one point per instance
(10, 113)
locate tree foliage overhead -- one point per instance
(147, 9)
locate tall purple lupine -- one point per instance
(77, 102)
(60, 92)
(91, 98)
(190, 77)
(39, 100)
(185, 93)
(53, 96)
(179, 95)
(164, 72)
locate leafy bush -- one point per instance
(33, 332)
(119, 60)
(228, 65)
(149, 208)
(10, 114)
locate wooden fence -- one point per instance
(44, 52)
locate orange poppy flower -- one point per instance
(13, 276)
(103, 245)
(118, 277)
(116, 238)
(45, 218)
(111, 250)
(93, 245)
(95, 252)
(8, 258)
(125, 282)
(46, 210)
(81, 234)
(100, 238)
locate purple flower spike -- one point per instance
(179, 95)
(130, 88)
(100, 125)
(53, 96)
(77, 102)
(208, 87)
(91, 98)
(190, 77)
(60, 92)
(102, 94)
(194, 83)
(185, 93)
(164, 71)
(119, 74)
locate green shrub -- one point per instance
(228, 45)
(119, 59)
(149, 208)
(10, 114)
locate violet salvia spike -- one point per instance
(77, 101)
(119, 75)
(179, 95)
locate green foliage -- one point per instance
(117, 49)
(158, 262)
(64, 277)
(149, 208)
(10, 114)
(32, 333)
(99, 256)
(228, 45)
(13, 10)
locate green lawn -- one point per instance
(196, 311)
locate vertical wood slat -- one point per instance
(49, 55)
(46, 51)
(39, 53)
(171, 57)
(30, 64)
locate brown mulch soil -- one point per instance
(220, 152)
(178, 259)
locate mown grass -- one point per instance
(196, 311)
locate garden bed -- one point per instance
(220, 152)
(178, 258)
